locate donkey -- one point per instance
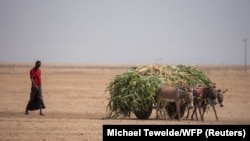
(202, 97)
(220, 97)
(209, 99)
(167, 94)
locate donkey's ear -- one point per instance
(191, 89)
(186, 89)
(225, 91)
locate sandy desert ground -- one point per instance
(76, 101)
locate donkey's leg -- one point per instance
(200, 113)
(199, 102)
(204, 110)
(196, 107)
(158, 107)
(188, 113)
(175, 113)
(165, 114)
(215, 112)
(194, 112)
(177, 110)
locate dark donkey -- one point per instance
(220, 97)
(202, 97)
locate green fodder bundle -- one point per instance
(135, 90)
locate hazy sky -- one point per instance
(125, 31)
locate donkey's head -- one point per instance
(220, 96)
(189, 97)
(210, 94)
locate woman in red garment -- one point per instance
(36, 98)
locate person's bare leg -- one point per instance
(26, 112)
(41, 113)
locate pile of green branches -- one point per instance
(135, 89)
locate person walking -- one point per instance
(36, 99)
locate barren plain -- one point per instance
(76, 101)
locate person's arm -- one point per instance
(33, 82)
